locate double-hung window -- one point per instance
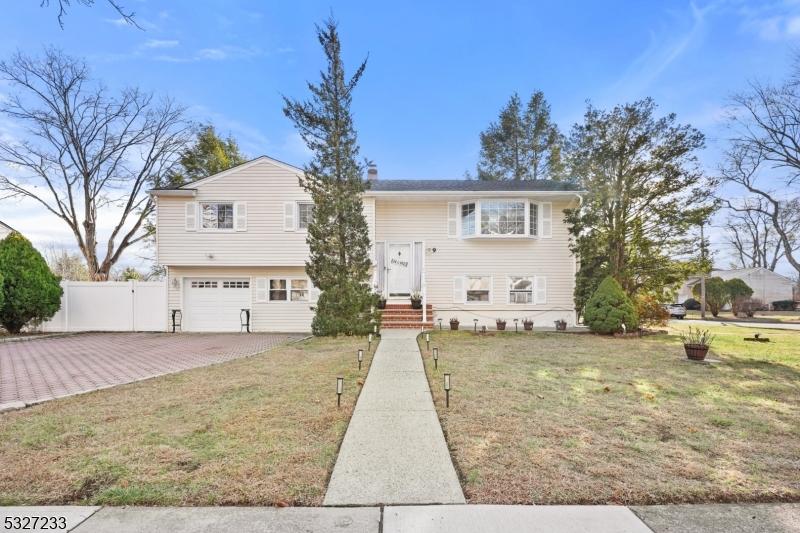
(520, 289)
(468, 219)
(479, 289)
(304, 211)
(277, 290)
(216, 216)
(289, 290)
(299, 290)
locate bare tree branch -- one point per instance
(64, 4)
(86, 150)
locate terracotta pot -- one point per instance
(454, 325)
(561, 326)
(528, 326)
(501, 326)
(416, 304)
(696, 352)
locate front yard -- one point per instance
(257, 431)
(579, 419)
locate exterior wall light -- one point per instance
(360, 357)
(447, 388)
(339, 390)
(436, 357)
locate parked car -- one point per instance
(675, 310)
(691, 304)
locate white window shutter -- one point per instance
(261, 289)
(191, 216)
(313, 294)
(288, 216)
(240, 216)
(547, 220)
(452, 219)
(458, 289)
(541, 290)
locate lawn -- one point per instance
(254, 431)
(548, 418)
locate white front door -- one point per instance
(215, 304)
(398, 263)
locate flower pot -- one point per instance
(528, 326)
(561, 326)
(416, 304)
(696, 352)
(454, 325)
(501, 326)
(381, 304)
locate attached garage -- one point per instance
(215, 304)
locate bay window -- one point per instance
(499, 218)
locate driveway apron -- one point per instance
(394, 450)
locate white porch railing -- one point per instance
(424, 298)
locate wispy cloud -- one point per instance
(772, 21)
(212, 53)
(155, 43)
(118, 22)
(224, 53)
(664, 49)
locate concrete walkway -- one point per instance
(394, 450)
(714, 518)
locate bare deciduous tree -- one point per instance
(749, 231)
(64, 4)
(763, 155)
(85, 150)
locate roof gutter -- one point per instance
(378, 194)
(172, 192)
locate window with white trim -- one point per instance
(467, 219)
(479, 289)
(304, 211)
(520, 289)
(533, 223)
(289, 290)
(216, 216)
(277, 290)
(299, 290)
(496, 218)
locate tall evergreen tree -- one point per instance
(646, 191)
(523, 145)
(338, 235)
(208, 155)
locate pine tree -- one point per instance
(338, 235)
(523, 145)
(209, 155)
(30, 290)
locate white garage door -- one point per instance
(214, 304)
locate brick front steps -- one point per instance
(401, 316)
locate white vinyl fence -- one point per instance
(111, 306)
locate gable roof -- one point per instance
(9, 228)
(472, 186)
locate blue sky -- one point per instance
(437, 75)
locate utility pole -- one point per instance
(702, 274)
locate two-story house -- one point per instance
(474, 249)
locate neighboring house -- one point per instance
(766, 285)
(5, 230)
(475, 249)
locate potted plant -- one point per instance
(416, 300)
(696, 343)
(382, 301)
(454, 323)
(561, 324)
(527, 324)
(501, 324)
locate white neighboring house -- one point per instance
(766, 285)
(236, 241)
(5, 230)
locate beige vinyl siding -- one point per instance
(496, 257)
(264, 187)
(265, 316)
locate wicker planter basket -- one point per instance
(696, 352)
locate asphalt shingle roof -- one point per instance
(470, 186)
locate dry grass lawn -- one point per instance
(253, 431)
(579, 419)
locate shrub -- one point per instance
(784, 305)
(716, 294)
(650, 311)
(609, 308)
(691, 304)
(737, 291)
(749, 306)
(30, 290)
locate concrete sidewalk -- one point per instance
(713, 518)
(394, 450)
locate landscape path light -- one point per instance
(447, 388)
(440, 324)
(428, 341)
(339, 390)
(360, 357)
(516, 325)
(436, 357)
(476, 324)
(369, 342)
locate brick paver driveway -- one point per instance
(44, 369)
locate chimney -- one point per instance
(372, 174)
